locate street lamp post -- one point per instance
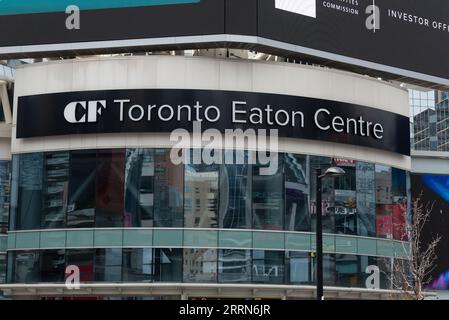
(319, 238)
(330, 172)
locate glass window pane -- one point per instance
(328, 269)
(138, 265)
(347, 270)
(268, 198)
(139, 191)
(200, 265)
(366, 199)
(81, 208)
(52, 265)
(201, 195)
(2, 268)
(30, 191)
(168, 265)
(55, 190)
(399, 191)
(109, 188)
(26, 267)
(168, 191)
(298, 268)
(384, 202)
(297, 190)
(385, 266)
(345, 200)
(234, 266)
(5, 187)
(84, 260)
(364, 263)
(328, 194)
(235, 191)
(108, 265)
(268, 266)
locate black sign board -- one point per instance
(165, 110)
(409, 38)
(393, 33)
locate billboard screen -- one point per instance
(45, 22)
(434, 192)
(409, 38)
(395, 33)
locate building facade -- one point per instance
(138, 225)
(430, 111)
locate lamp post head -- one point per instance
(333, 172)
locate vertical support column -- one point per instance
(5, 102)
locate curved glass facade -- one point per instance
(201, 265)
(120, 188)
(115, 190)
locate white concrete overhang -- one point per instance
(430, 162)
(187, 290)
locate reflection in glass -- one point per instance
(328, 269)
(235, 191)
(366, 200)
(84, 260)
(26, 267)
(385, 266)
(201, 196)
(168, 265)
(108, 265)
(192, 265)
(52, 265)
(297, 215)
(5, 184)
(365, 262)
(2, 268)
(328, 194)
(384, 202)
(84, 189)
(268, 266)
(139, 190)
(347, 270)
(298, 268)
(55, 190)
(168, 191)
(345, 200)
(109, 188)
(81, 208)
(234, 266)
(399, 190)
(29, 208)
(268, 198)
(200, 265)
(138, 265)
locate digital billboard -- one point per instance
(409, 38)
(434, 193)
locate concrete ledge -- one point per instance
(184, 291)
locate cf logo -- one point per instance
(84, 111)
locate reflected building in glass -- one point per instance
(363, 205)
(430, 120)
